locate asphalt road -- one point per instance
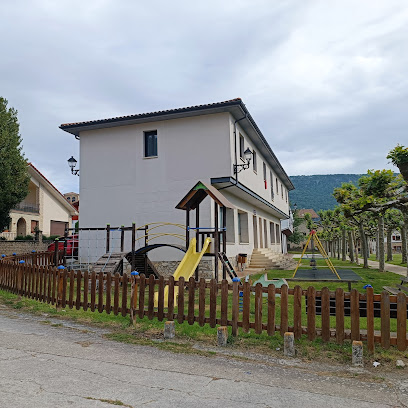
(74, 366)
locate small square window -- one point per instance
(150, 143)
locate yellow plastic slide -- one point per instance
(186, 267)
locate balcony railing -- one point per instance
(32, 208)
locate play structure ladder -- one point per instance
(225, 261)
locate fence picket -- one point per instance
(125, 294)
(246, 307)
(108, 292)
(311, 313)
(170, 299)
(355, 314)
(93, 291)
(201, 303)
(180, 301)
(235, 307)
(160, 303)
(86, 289)
(325, 314)
(49, 285)
(150, 304)
(213, 303)
(71, 289)
(116, 294)
(297, 312)
(78, 293)
(339, 315)
(224, 302)
(64, 288)
(385, 320)
(401, 321)
(142, 289)
(191, 299)
(258, 308)
(271, 310)
(370, 320)
(284, 310)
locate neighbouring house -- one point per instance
(44, 209)
(137, 168)
(72, 197)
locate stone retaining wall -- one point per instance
(22, 247)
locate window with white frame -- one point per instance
(264, 176)
(243, 234)
(254, 163)
(230, 225)
(272, 193)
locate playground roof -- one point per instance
(198, 193)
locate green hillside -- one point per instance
(316, 191)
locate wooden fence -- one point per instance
(38, 258)
(267, 310)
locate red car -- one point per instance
(71, 248)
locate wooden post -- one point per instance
(271, 309)
(325, 314)
(187, 228)
(64, 254)
(197, 236)
(107, 237)
(311, 313)
(235, 305)
(133, 299)
(401, 321)
(60, 275)
(297, 312)
(284, 310)
(224, 237)
(122, 238)
(133, 244)
(56, 248)
(216, 242)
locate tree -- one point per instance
(297, 237)
(13, 166)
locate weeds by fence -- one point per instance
(267, 310)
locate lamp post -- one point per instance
(248, 156)
(72, 163)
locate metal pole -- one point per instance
(133, 244)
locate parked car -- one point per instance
(71, 247)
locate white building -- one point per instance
(44, 208)
(137, 168)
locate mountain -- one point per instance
(317, 191)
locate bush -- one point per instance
(50, 238)
(24, 238)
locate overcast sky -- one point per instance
(326, 81)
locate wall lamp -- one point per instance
(248, 156)
(72, 163)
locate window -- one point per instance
(277, 228)
(254, 163)
(264, 176)
(241, 147)
(68, 198)
(277, 186)
(150, 141)
(272, 193)
(73, 199)
(282, 190)
(272, 227)
(243, 234)
(286, 195)
(230, 225)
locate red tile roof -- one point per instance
(313, 214)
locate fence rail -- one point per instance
(269, 310)
(46, 258)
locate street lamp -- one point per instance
(72, 163)
(248, 156)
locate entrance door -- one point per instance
(260, 234)
(255, 231)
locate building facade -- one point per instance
(44, 209)
(137, 168)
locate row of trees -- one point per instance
(377, 205)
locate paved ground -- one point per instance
(74, 366)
